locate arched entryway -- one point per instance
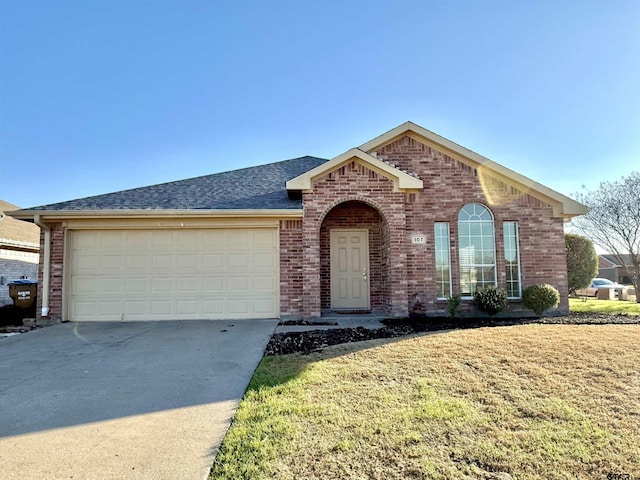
(354, 259)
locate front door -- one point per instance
(350, 269)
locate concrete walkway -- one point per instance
(147, 400)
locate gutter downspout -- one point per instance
(46, 264)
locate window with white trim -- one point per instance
(512, 259)
(477, 248)
(443, 259)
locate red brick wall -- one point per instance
(450, 184)
(386, 266)
(291, 268)
(355, 182)
(55, 272)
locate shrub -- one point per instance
(582, 261)
(454, 305)
(491, 299)
(540, 298)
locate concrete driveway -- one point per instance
(149, 400)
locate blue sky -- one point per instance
(99, 96)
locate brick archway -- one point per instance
(360, 215)
(391, 287)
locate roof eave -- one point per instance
(10, 244)
(55, 215)
(571, 210)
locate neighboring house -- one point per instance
(19, 250)
(394, 226)
(609, 267)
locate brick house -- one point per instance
(610, 267)
(19, 251)
(394, 226)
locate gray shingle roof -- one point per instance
(614, 261)
(261, 187)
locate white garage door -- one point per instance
(173, 274)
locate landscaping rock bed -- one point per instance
(311, 340)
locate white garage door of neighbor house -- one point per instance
(173, 274)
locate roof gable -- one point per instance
(563, 205)
(15, 233)
(613, 260)
(401, 180)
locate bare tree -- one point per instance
(613, 222)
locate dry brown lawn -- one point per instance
(534, 401)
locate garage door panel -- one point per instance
(162, 262)
(88, 240)
(83, 285)
(188, 240)
(265, 238)
(136, 262)
(163, 240)
(111, 285)
(161, 285)
(240, 284)
(213, 285)
(239, 306)
(86, 263)
(213, 239)
(188, 285)
(137, 240)
(265, 260)
(112, 263)
(136, 309)
(213, 261)
(110, 240)
(162, 308)
(239, 238)
(85, 310)
(137, 286)
(264, 284)
(239, 261)
(173, 274)
(213, 308)
(110, 308)
(187, 307)
(188, 262)
(264, 306)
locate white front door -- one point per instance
(349, 269)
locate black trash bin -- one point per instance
(23, 293)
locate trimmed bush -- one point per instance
(582, 261)
(454, 305)
(491, 299)
(540, 298)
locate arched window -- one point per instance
(477, 248)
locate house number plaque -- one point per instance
(418, 239)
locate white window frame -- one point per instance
(493, 246)
(517, 245)
(448, 252)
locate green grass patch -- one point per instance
(607, 307)
(535, 401)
